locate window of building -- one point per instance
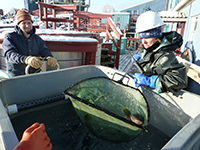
(135, 12)
(129, 11)
(118, 19)
(173, 3)
(166, 27)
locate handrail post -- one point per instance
(54, 15)
(40, 12)
(118, 52)
(45, 17)
(107, 30)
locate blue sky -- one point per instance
(96, 6)
(6, 5)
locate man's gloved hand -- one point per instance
(141, 79)
(51, 61)
(33, 61)
(137, 57)
(34, 138)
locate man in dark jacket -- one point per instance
(161, 69)
(23, 47)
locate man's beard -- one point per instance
(29, 32)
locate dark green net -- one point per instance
(100, 101)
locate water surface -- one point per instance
(66, 131)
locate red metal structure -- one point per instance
(82, 21)
(44, 15)
(90, 22)
(132, 30)
(89, 48)
(1, 11)
(111, 27)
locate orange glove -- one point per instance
(33, 61)
(51, 61)
(34, 138)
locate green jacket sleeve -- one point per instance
(172, 74)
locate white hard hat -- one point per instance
(148, 20)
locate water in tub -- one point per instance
(66, 131)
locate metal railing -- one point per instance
(83, 21)
(112, 27)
